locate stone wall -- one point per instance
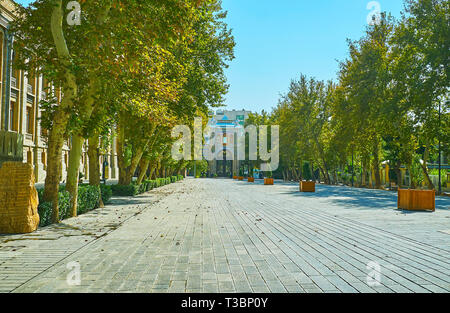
(18, 199)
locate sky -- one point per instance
(276, 41)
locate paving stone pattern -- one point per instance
(218, 235)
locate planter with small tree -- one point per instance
(251, 179)
(234, 175)
(269, 179)
(241, 175)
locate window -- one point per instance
(29, 120)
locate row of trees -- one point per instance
(130, 70)
(390, 104)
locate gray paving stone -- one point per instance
(247, 239)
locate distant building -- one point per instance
(225, 125)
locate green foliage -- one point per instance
(147, 185)
(106, 191)
(45, 208)
(383, 107)
(125, 191)
(306, 171)
(88, 198)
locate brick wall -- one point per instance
(18, 199)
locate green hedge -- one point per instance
(106, 193)
(45, 208)
(89, 197)
(88, 200)
(125, 191)
(147, 185)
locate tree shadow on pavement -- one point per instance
(361, 198)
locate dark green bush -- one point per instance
(88, 198)
(125, 191)
(106, 193)
(142, 188)
(149, 185)
(45, 208)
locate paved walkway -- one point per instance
(213, 235)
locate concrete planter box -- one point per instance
(251, 179)
(307, 186)
(417, 200)
(268, 181)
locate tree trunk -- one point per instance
(323, 174)
(412, 182)
(399, 174)
(61, 117)
(94, 164)
(425, 169)
(54, 162)
(363, 175)
(73, 172)
(152, 171)
(133, 166)
(376, 166)
(143, 166)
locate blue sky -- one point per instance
(278, 40)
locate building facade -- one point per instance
(20, 114)
(226, 127)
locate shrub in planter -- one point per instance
(180, 177)
(125, 191)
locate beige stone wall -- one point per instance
(18, 199)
